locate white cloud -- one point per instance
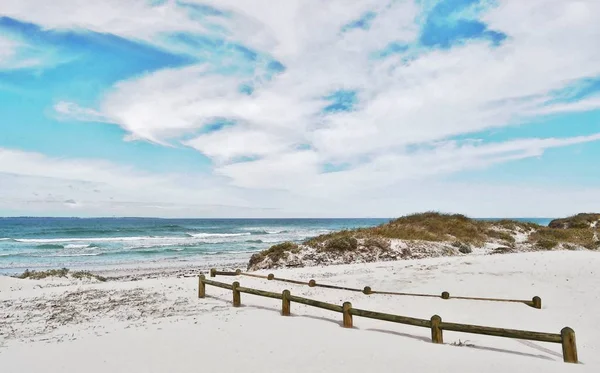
(9, 55)
(128, 18)
(300, 172)
(439, 94)
(73, 111)
(7, 49)
(36, 184)
(402, 105)
(33, 181)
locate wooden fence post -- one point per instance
(213, 272)
(568, 345)
(201, 286)
(237, 301)
(347, 315)
(537, 302)
(367, 290)
(270, 276)
(436, 332)
(312, 283)
(445, 295)
(285, 303)
(238, 271)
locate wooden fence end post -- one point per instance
(445, 295)
(213, 272)
(237, 301)
(569, 346)
(238, 271)
(285, 303)
(312, 283)
(537, 302)
(436, 332)
(270, 276)
(367, 290)
(201, 286)
(347, 315)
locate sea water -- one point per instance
(39, 243)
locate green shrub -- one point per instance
(341, 244)
(501, 235)
(38, 275)
(380, 243)
(592, 245)
(275, 253)
(462, 247)
(579, 221)
(547, 238)
(502, 250)
(87, 274)
(546, 244)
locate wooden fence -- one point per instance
(535, 302)
(435, 323)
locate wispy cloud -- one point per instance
(73, 111)
(7, 49)
(15, 54)
(382, 88)
(41, 185)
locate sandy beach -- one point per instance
(158, 324)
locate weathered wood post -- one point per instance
(238, 271)
(312, 283)
(568, 345)
(270, 276)
(285, 303)
(347, 315)
(537, 302)
(213, 272)
(367, 290)
(436, 331)
(237, 301)
(445, 295)
(201, 286)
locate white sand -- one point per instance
(159, 325)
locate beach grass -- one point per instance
(63, 272)
(431, 226)
(275, 253)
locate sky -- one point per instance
(299, 108)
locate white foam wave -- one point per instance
(71, 255)
(100, 239)
(229, 252)
(78, 246)
(217, 235)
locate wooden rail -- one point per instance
(535, 302)
(435, 323)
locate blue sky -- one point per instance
(248, 108)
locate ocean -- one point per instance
(42, 243)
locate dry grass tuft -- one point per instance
(340, 244)
(63, 272)
(548, 238)
(432, 226)
(579, 221)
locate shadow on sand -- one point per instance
(417, 337)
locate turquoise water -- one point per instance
(38, 243)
